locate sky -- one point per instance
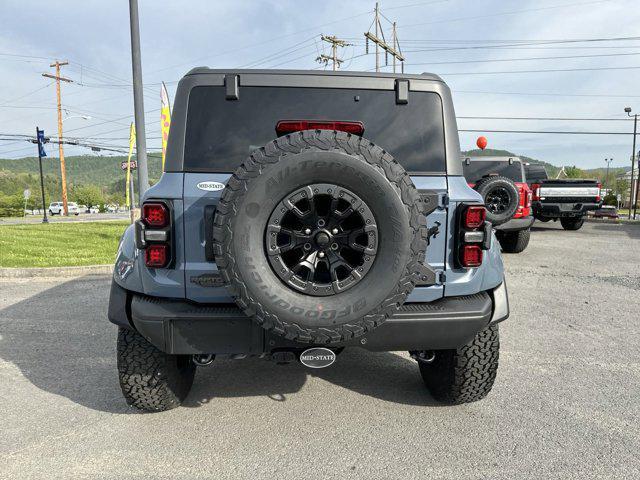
(493, 54)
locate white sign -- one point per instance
(210, 186)
(26, 193)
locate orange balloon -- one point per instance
(482, 143)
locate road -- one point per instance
(566, 403)
(83, 217)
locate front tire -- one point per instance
(514, 242)
(152, 380)
(571, 223)
(465, 374)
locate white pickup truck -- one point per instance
(567, 200)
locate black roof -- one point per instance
(319, 73)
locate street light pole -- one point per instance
(606, 178)
(635, 198)
(633, 187)
(138, 100)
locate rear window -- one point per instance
(476, 169)
(221, 133)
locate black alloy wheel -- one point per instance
(498, 200)
(321, 239)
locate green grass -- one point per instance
(60, 244)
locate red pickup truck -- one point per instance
(502, 183)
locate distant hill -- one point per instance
(81, 170)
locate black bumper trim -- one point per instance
(180, 327)
(556, 210)
(516, 224)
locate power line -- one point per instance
(228, 52)
(550, 132)
(564, 119)
(506, 72)
(564, 57)
(548, 94)
(25, 95)
(512, 12)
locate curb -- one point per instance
(56, 272)
(619, 221)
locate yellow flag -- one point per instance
(132, 142)
(165, 119)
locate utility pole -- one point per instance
(63, 171)
(138, 101)
(606, 178)
(335, 42)
(633, 194)
(379, 40)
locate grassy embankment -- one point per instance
(59, 244)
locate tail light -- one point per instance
(471, 256)
(289, 126)
(155, 214)
(599, 196)
(474, 216)
(474, 235)
(536, 191)
(156, 255)
(153, 234)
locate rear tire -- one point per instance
(571, 223)
(514, 242)
(152, 380)
(465, 374)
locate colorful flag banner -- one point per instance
(165, 119)
(132, 142)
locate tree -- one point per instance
(87, 195)
(622, 188)
(11, 205)
(574, 172)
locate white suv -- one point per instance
(57, 208)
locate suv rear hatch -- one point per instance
(222, 131)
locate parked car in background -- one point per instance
(606, 211)
(94, 209)
(83, 209)
(501, 182)
(57, 208)
(567, 200)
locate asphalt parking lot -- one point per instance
(566, 402)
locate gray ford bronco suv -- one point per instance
(300, 213)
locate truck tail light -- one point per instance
(154, 235)
(156, 255)
(155, 215)
(289, 126)
(536, 191)
(474, 235)
(599, 196)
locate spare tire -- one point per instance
(500, 196)
(318, 236)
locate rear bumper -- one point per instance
(559, 210)
(180, 327)
(516, 224)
